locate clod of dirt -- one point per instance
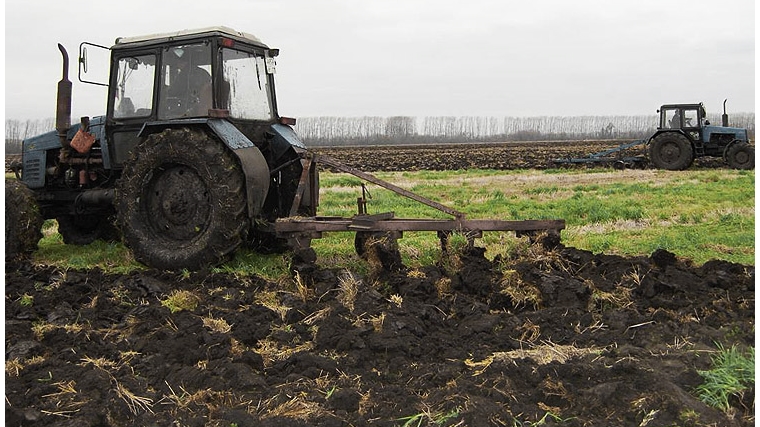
(663, 258)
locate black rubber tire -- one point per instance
(23, 222)
(671, 151)
(181, 201)
(740, 155)
(85, 229)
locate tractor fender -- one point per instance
(252, 162)
(678, 131)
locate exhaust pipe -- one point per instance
(724, 117)
(63, 101)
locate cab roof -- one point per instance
(162, 38)
(694, 105)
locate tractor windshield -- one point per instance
(186, 89)
(245, 91)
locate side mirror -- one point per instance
(270, 65)
(99, 75)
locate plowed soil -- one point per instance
(557, 337)
(552, 337)
(499, 156)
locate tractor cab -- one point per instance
(188, 76)
(682, 116)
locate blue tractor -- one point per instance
(192, 161)
(684, 133)
(189, 159)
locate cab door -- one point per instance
(131, 101)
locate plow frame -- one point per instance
(299, 231)
(607, 157)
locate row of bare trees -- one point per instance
(439, 129)
(17, 130)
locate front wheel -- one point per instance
(85, 229)
(671, 151)
(181, 201)
(740, 155)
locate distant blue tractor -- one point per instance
(684, 134)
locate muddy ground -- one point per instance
(499, 156)
(549, 337)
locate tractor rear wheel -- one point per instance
(740, 155)
(671, 151)
(181, 200)
(23, 222)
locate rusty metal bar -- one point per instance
(387, 185)
(327, 224)
(301, 186)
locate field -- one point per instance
(593, 332)
(498, 156)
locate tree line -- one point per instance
(325, 131)
(395, 130)
(17, 130)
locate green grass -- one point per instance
(732, 374)
(272, 267)
(696, 214)
(109, 256)
(180, 300)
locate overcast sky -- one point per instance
(423, 58)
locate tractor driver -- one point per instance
(675, 122)
(188, 91)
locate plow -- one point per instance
(614, 157)
(369, 228)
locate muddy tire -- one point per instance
(181, 201)
(671, 151)
(740, 155)
(23, 222)
(85, 229)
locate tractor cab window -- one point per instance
(690, 118)
(185, 89)
(245, 90)
(670, 118)
(679, 118)
(134, 86)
